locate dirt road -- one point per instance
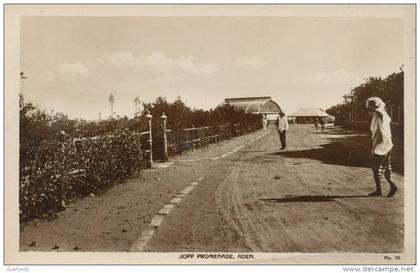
(311, 197)
(308, 198)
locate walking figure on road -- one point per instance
(322, 122)
(316, 123)
(282, 127)
(380, 128)
(264, 122)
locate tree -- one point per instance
(390, 90)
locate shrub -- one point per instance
(62, 170)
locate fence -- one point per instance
(186, 139)
(353, 114)
(358, 119)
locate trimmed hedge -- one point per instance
(60, 171)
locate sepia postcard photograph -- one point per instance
(210, 134)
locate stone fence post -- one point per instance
(149, 118)
(165, 139)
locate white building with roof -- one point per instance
(307, 115)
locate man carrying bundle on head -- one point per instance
(381, 145)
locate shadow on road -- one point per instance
(336, 152)
(344, 148)
(310, 198)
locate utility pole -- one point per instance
(22, 80)
(137, 105)
(349, 99)
(111, 102)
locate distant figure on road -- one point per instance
(381, 145)
(282, 127)
(264, 122)
(322, 122)
(316, 123)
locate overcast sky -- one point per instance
(73, 64)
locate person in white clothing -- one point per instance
(380, 128)
(282, 127)
(264, 122)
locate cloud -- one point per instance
(48, 76)
(156, 62)
(119, 59)
(332, 76)
(123, 66)
(254, 62)
(321, 88)
(126, 75)
(73, 69)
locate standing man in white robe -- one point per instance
(282, 127)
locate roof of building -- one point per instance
(309, 112)
(254, 105)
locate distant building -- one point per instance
(307, 115)
(255, 105)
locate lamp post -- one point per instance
(165, 139)
(149, 118)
